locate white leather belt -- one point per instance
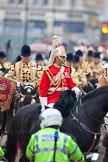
(58, 89)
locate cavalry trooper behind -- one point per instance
(49, 144)
(103, 78)
(81, 79)
(24, 70)
(73, 71)
(56, 77)
(1, 153)
(4, 64)
(96, 66)
(39, 66)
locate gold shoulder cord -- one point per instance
(55, 83)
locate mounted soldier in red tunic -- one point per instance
(56, 77)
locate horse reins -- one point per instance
(83, 125)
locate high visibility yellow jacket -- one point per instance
(41, 147)
(1, 153)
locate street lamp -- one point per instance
(25, 34)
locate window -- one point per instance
(72, 2)
(11, 1)
(37, 26)
(58, 2)
(71, 26)
(15, 1)
(40, 2)
(12, 26)
(19, 1)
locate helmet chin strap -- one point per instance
(61, 59)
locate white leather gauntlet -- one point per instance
(43, 101)
(77, 91)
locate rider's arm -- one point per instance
(1, 153)
(11, 72)
(31, 148)
(74, 151)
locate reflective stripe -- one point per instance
(80, 159)
(73, 152)
(63, 150)
(58, 89)
(33, 152)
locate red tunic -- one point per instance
(45, 84)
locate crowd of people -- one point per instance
(64, 71)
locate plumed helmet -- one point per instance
(97, 55)
(2, 54)
(25, 51)
(69, 57)
(79, 53)
(38, 57)
(51, 117)
(56, 50)
(90, 53)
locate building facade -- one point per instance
(26, 21)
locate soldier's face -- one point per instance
(39, 62)
(2, 60)
(97, 60)
(69, 63)
(26, 59)
(61, 60)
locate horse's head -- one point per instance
(28, 89)
(94, 107)
(66, 102)
(97, 99)
(28, 93)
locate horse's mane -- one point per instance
(95, 92)
(66, 102)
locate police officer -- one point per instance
(56, 77)
(24, 70)
(1, 153)
(49, 144)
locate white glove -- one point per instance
(77, 91)
(18, 84)
(43, 101)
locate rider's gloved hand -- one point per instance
(18, 84)
(77, 91)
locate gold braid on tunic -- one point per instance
(55, 82)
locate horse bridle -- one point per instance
(75, 118)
